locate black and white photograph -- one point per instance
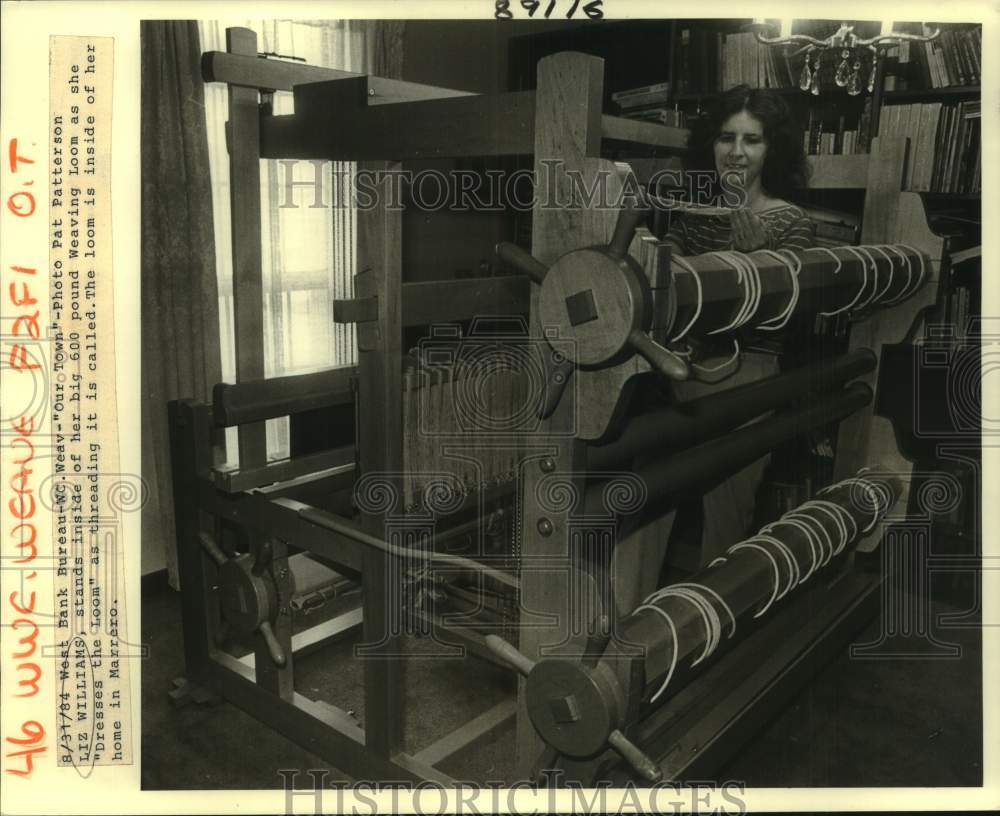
(561, 402)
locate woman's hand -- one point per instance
(748, 231)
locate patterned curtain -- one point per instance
(180, 321)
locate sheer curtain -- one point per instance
(308, 255)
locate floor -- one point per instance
(904, 721)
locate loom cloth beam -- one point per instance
(746, 577)
(827, 281)
(581, 709)
(605, 303)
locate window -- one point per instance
(308, 252)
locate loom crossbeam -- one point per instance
(689, 472)
(684, 425)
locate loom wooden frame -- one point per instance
(378, 120)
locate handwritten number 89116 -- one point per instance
(592, 9)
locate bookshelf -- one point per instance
(695, 59)
(928, 92)
(920, 94)
(711, 56)
(950, 63)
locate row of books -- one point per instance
(671, 117)
(954, 58)
(819, 139)
(648, 103)
(709, 61)
(645, 96)
(745, 61)
(945, 149)
(713, 61)
(833, 227)
(959, 309)
(836, 143)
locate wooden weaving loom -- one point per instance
(540, 497)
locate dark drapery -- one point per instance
(180, 299)
(387, 59)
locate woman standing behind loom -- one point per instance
(754, 151)
(750, 141)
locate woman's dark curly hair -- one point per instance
(785, 167)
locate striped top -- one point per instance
(787, 227)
